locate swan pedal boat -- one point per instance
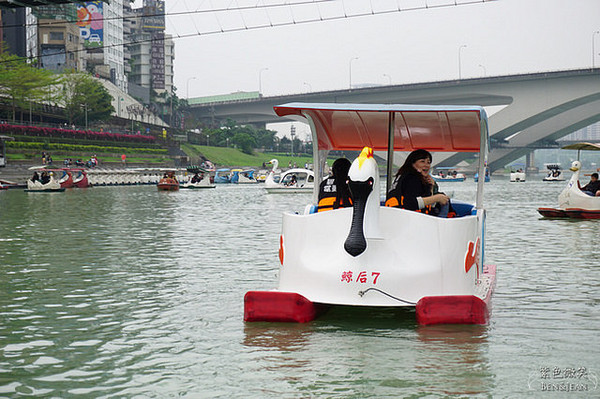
(375, 256)
(66, 178)
(554, 173)
(73, 177)
(449, 177)
(305, 180)
(243, 176)
(572, 202)
(222, 175)
(203, 183)
(52, 186)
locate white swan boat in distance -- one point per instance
(572, 202)
(375, 256)
(295, 180)
(198, 178)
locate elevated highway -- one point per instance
(537, 108)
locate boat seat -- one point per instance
(310, 209)
(461, 208)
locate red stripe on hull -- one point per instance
(579, 213)
(279, 306)
(552, 213)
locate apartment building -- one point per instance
(151, 51)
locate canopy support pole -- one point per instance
(390, 154)
(483, 154)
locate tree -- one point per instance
(83, 94)
(265, 138)
(245, 142)
(285, 144)
(21, 82)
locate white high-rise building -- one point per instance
(31, 34)
(101, 28)
(113, 42)
(151, 51)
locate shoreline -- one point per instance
(19, 173)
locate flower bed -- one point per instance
(77, 134)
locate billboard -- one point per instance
(153, 15)
(91, 23)
(157, 60)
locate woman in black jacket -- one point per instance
(412, 188)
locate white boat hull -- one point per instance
(288, 190)
(517, 177)
(450, 178)
(397, 269)
(573, 197)
(52, 185)
(204, 183)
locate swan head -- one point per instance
(363, 182)
(575, 166)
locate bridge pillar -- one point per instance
(530, 163)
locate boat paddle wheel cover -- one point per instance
(356, 242)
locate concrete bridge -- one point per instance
(538, 108)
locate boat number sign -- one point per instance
(363, 277)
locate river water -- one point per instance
(130, 292)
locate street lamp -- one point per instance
(484, 72)
(388, 76)
(207, 140)
(350, 68)
(293, 134)
(187, 87)
(86, 118)
(459, 71)
(593, 48)
(260, 80)
(119, 107)
(227, 139)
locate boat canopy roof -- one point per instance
(196, 169)
(390, 128)
(432, 127)
(583, 146)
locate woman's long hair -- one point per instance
(340, 169)
(408, 168)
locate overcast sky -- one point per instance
(423, 44)
(417, 44)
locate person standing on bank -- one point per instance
(412, 188)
